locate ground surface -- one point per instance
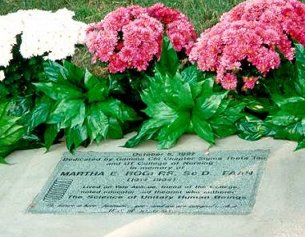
(279, 210)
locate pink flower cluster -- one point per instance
(126, 38)
(131, 37)
(179, 29)
(287, 15)
(225, 46)
(254, 32)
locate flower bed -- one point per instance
(244, 76)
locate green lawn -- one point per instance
(203, 13)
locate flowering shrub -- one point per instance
(131, 37)
(224, 47)
(160, 94)
(255, 31)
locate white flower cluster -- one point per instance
(43, 32)
(2, 76)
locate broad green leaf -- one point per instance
(68, 113)
(282, 119)
(54, 71)
(2, 160)
(115, 130)
(75, 137)
(10, 130)
(50, 134)
(177, 94)
(252, 128)
(293, 132)
(58, 91)
(162, 112)
(74, 74)
(258, 105)
(206, 108)
(223, 127)
(97, 123)
(281, 100)
(301, 145)
(207, 88)
(148, 131)
(169, 62)
(116, 109)
(12, 136)
(40, 113)
(203, 129)
(190, 75)
(169, 134)
(300, 68)
(295, 108)
(97, 88)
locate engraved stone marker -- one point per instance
(222, 182)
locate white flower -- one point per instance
(2, 76)
(43, 33)
(53, 33)
(10, 26)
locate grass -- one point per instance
(203, 13)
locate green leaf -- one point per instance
(252, 128)
(97, 123)
(3, 161)
(282, 118)
(58, 91)
(169, 62)
(115, 130)
(223, 127)
(206, 108)
(40, 113)
(190, 75)
(161, 112)
(169, 134)
(68, 113)
(203, 129)
(54, 71)
(292, 132)
(178, 95)
(97, 88)
(74, 74)
(10, 131)
(300, 68)
(148, 131)
(75, 137)
(50, 135)
(116, 109)
(207, 88)
(301, 145)
(295, 108)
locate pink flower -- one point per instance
(131, 37)
(249, 83)
(126, 39)
(179, 29)
(286, 15)
(229, 82)
(225, 47)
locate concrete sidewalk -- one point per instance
(279, 210)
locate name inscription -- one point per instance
(222, 182)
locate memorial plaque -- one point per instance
(221, 182)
